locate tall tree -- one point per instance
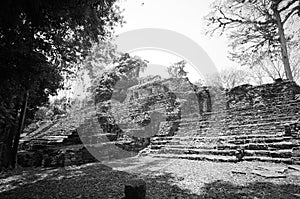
(38, 41)
(270, 68)
(229, 78)
(256, 26)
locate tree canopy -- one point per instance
(40, 40)
(257, 28)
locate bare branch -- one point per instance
(287, 5)
(297, 8)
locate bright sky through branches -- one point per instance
(182, 16)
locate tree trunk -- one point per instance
(5, 147)
(20, 129)
(7, 132)
(9, 145)
(284, 52)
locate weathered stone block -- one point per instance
(135, 189)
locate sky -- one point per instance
(182, 16)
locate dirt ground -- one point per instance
(165, 178)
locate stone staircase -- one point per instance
(264, 131)
(274, 148)
(55, 144)
(98, 143)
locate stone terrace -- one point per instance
(251, 124)
(245, 123)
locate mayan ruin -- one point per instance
(143, 99)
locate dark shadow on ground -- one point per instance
(86, 181)
(99, 181)
(257, 190)
(163, 186)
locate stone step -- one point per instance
(231, 126)
(261, 146)
(215, 158)
(239, 129)
(57, 137)
(225, 119)
(223, 139)
(225, 146)
(211, 131)
(233, 130)
(97, 135)
(185, 147)
(219, 158)
(285, 153)
(223, 131)
(259, 140)
(270, 159)
(167, 150)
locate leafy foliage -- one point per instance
(176, 70)
(39, 41)
(126, 69)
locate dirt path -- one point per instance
(197, 176)
(165, 178)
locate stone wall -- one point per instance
(55, 157)
(166, 100)
(55, 144)
(247, 110)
